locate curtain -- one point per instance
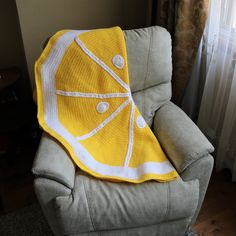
(185, 20)
(217, 115)
(193, 93)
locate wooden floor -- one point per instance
(218, 214)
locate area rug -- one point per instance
(28, 221)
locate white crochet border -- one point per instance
(49, 68)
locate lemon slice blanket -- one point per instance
(84, 101)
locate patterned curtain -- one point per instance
(185, 20)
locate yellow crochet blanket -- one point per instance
(84, 101)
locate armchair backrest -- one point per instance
(150, 68)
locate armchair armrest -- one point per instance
(180, 138)
(53, 162)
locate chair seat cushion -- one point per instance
(101, 205)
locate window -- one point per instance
(228, 11)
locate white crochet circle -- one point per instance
(118, 61)
(102, 107)
(141, 123)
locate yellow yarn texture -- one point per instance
(84, 101)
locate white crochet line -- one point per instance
(102, 64)
(131, 136)
(92, 95)
(105, 122)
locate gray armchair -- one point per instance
(75, 203)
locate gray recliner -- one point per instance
(76, 203)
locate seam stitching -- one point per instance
(168, 202)
(147, 72)
(89, 207)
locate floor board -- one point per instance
(218, 214)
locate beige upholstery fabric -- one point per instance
(150, 68)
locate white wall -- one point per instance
(11, 45)
(40, 19)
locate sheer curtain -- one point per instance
(217, 114)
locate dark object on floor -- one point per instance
(28, 221)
